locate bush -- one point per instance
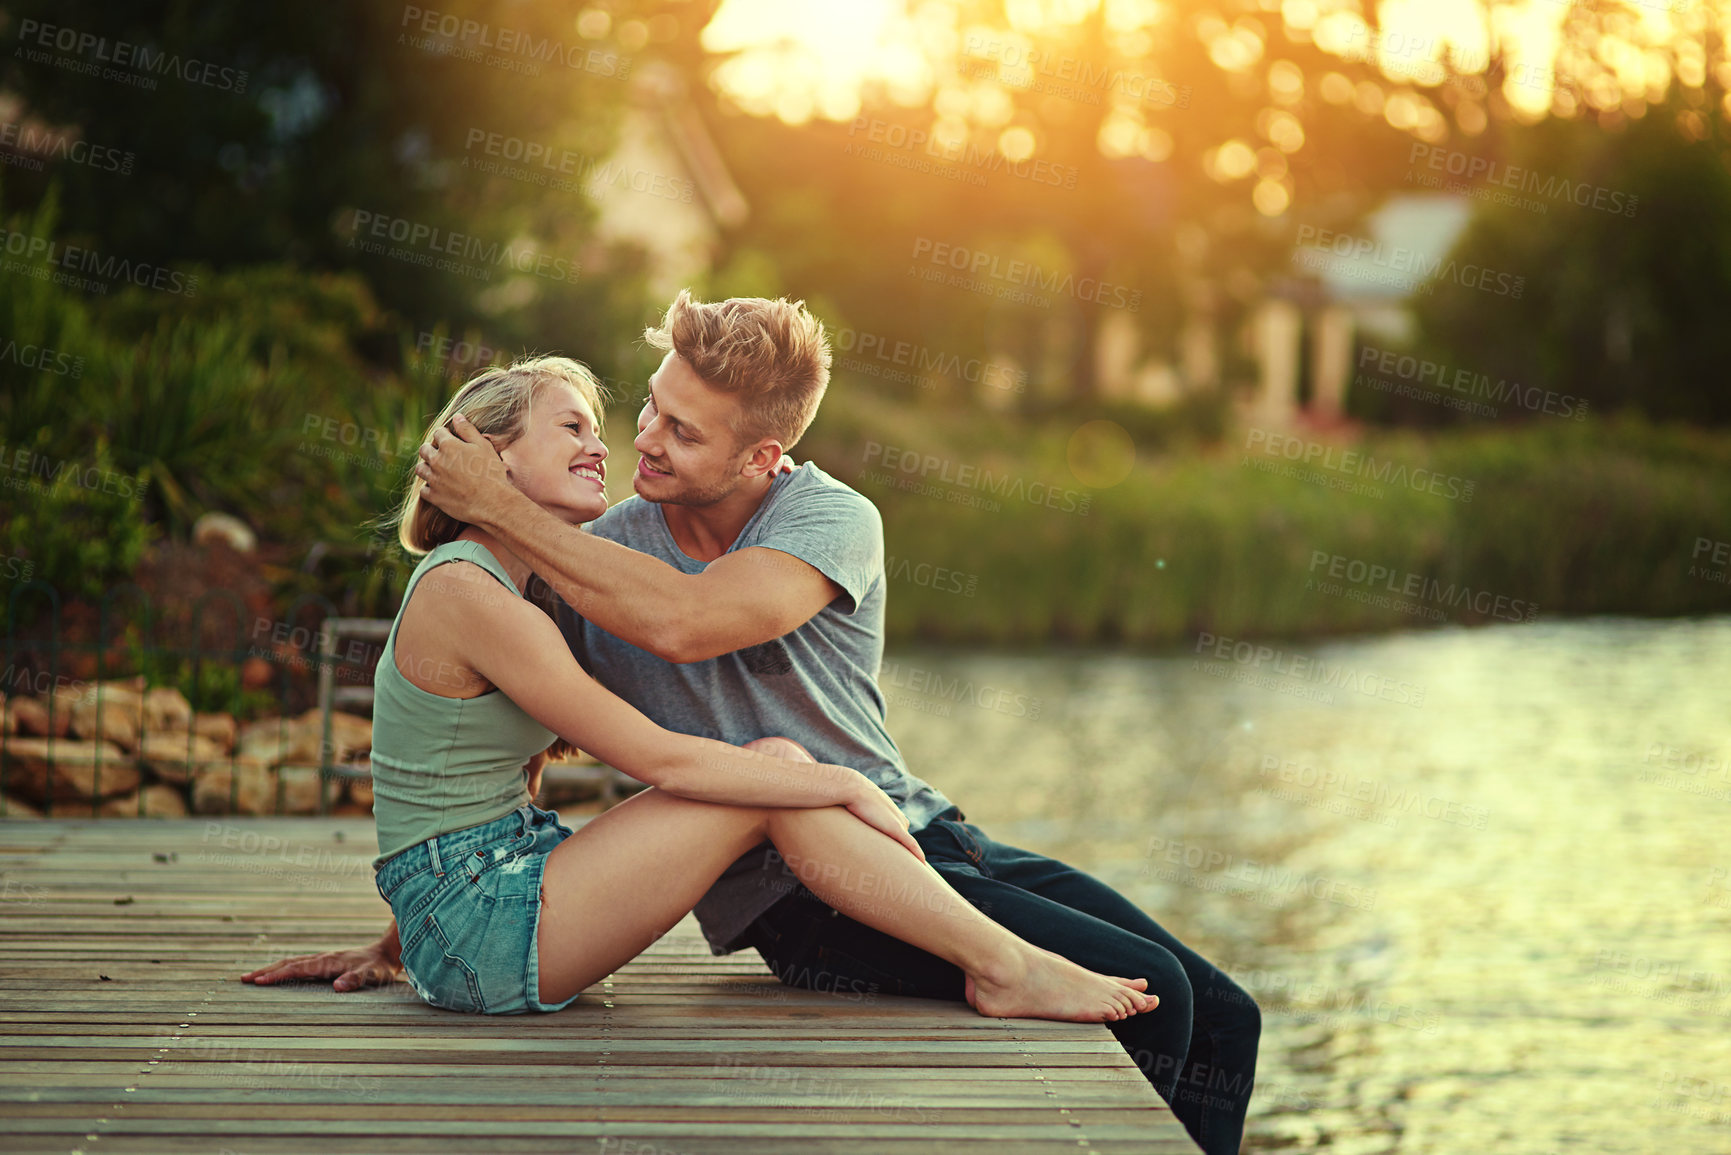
(81, 522)
(1565, 517)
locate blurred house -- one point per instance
(1305, 331)
(665, 188)
(1301, 329)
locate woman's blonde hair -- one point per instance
(497, 402)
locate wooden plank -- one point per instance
(360, 1111)
(173, 1068)
(737, 1028)
(483, 1041)
(482, 1129)
(194, 1144)
(691, 1034)
(289, 1086)
(680, 1053)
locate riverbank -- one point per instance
(994, 536)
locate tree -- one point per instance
(1632, 229)
(310, 133)
(1203, 136)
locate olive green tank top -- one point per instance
(445, 764)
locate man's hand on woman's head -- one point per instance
(463, 472)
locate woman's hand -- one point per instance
(532, 774)
(875, 808)
(372, 966)
(780, 748)
(869, 804)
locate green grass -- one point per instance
(1564, 518)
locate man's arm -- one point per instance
(741, 599)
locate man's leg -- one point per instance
(1213, 1087)
(808, 945)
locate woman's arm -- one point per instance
(518, 649)
(741, 599)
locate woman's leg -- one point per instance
(627, 877)
(874, 880)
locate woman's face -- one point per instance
(559, 461)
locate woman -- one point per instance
(500, 908)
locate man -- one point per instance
(733, 599)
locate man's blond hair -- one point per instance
(773, 355)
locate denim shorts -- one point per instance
(467, 905)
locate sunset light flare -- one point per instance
(1427, 68)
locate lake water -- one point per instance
(1479, 880)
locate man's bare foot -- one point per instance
(1042, 985)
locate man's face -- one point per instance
(691, 455)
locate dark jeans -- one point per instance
(1198, 1047)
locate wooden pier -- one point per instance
(124, 1028)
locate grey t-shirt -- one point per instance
(816, 685)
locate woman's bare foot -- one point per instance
(1038, 984)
